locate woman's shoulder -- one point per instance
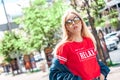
(87, 38)
(64, 44)
(62, 47)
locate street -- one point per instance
(115, 55)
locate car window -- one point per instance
(113, 34)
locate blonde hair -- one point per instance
(85, 32)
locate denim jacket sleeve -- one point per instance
(60, 72)
(104, 69)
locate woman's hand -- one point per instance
(102, 77)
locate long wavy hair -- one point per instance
(85, 32)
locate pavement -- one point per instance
(26, 76)
(113, 75)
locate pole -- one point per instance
(8, 23)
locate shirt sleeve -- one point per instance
(62, 53)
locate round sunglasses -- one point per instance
(69, 22)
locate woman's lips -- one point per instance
(75, 27)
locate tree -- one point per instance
(12, 46)
(41, 22)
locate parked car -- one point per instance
(111, 45)
(115, 33)
(112, 36)
(118, 34)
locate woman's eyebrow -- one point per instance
(72, 17)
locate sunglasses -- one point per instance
(69, 22)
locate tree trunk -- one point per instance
(18, 62)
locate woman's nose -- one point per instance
(73, 22)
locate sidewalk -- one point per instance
(26, 76)
(114, 73)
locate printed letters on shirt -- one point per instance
(86, 54)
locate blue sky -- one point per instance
(11, 8)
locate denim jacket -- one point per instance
(61, 72)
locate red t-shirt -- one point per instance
(80, 58)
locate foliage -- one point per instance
(114, 22)
(112, 17)
(96, 6)
(10, 44)
(100, 22)
(41, 22)
(92, 8)
(113, 14)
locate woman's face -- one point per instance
(100, 35)
(73, 23)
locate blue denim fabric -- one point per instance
(61, 72)
(104, 69)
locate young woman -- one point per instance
(76, 52)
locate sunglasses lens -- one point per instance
(76, 20)
(69, 22)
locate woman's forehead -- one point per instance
(70, 15)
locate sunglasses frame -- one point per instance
(69, 22)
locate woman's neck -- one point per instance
(76, 38)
